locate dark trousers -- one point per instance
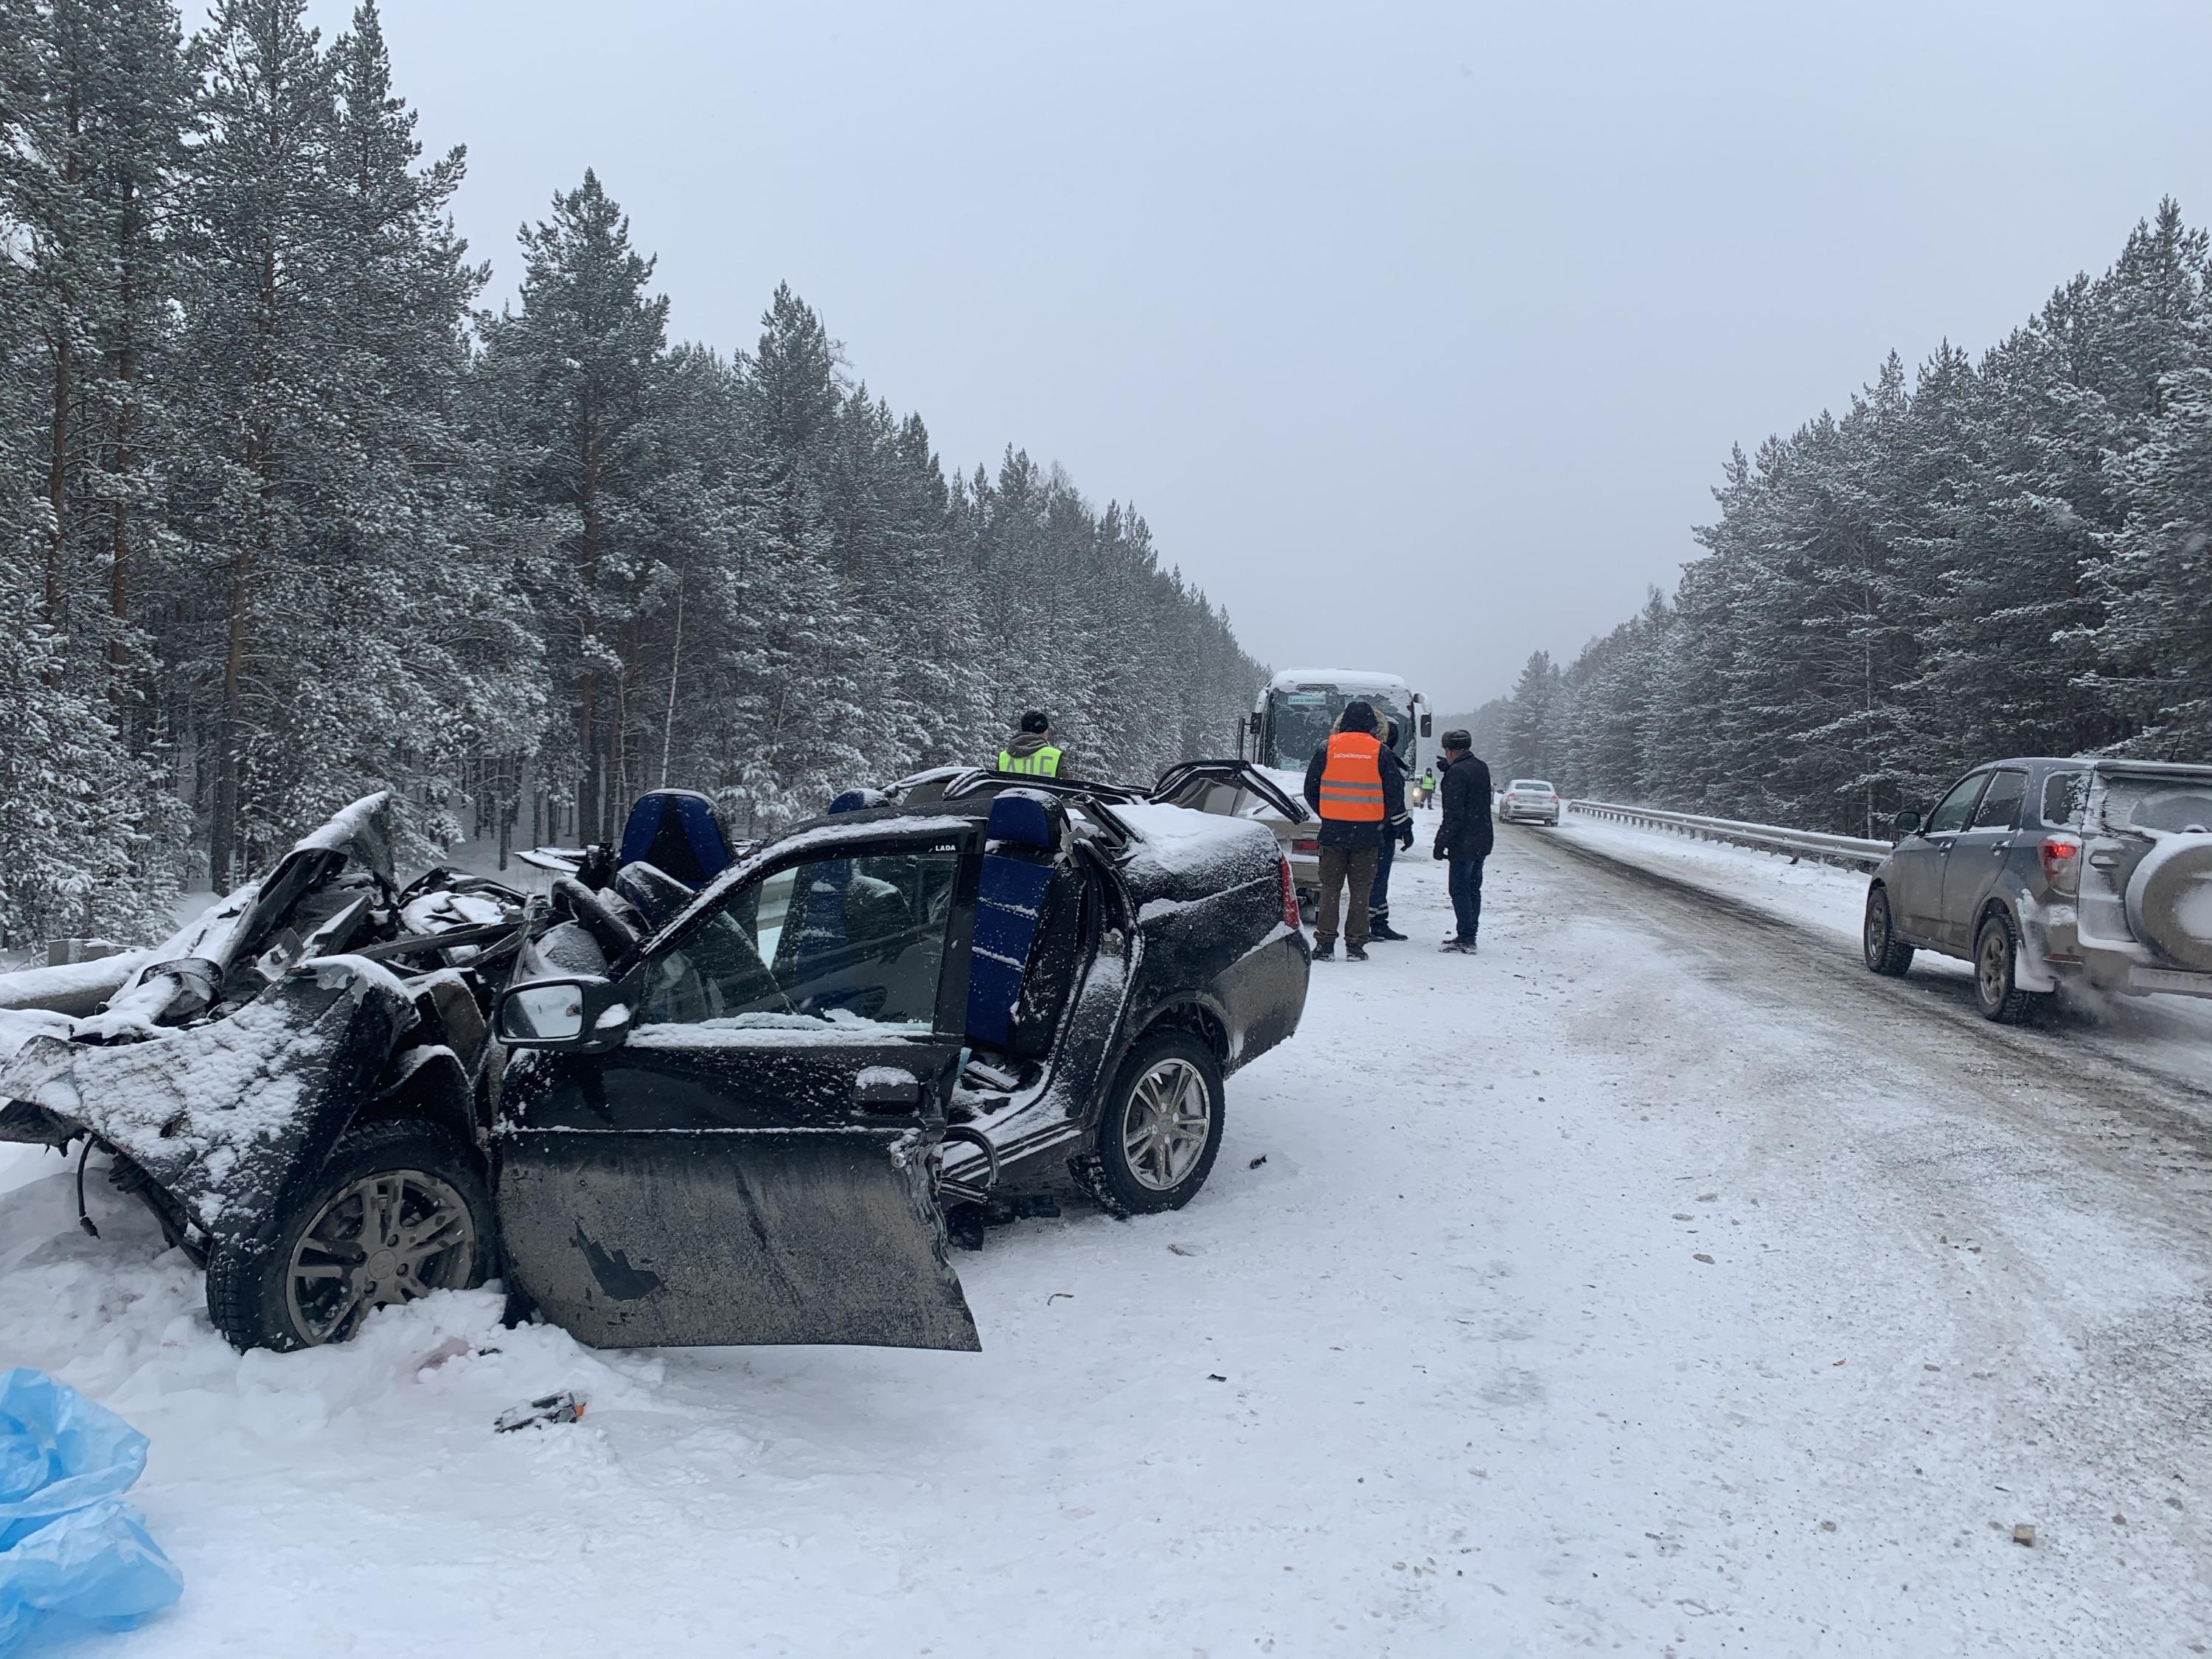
(1467, 897)
(1378, 896)
(1343, 867)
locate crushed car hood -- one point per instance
(221, 1114)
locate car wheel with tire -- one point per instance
(1997, 994)
(1885, 953)
(398, 1210)
(1161, 1130)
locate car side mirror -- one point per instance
(1906, 823)
(584, 1014)
(1425, 724)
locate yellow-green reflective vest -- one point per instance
(1043, 763)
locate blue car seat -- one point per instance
(676, 830)
(1018, 869)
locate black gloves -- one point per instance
(1438, 852)
(1406, 836)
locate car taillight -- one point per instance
(1312, 847)
(1290, 896)
(2061, 862)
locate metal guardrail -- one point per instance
(1852, 850)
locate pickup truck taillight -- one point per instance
(2062, 863)
(1290, 896)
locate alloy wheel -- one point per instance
(1164, 1130)
(389, 1237)
(1993, 967)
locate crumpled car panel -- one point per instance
(223, 1114)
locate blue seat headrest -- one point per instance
(1023, 818)
(858, 800)
(678, 831)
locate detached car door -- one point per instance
(754, 1162)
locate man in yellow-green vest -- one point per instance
(1033, 754)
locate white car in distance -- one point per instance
(1529, 800)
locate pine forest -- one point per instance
(1986, 557)
(293, 513)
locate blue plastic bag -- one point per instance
(69, 1549)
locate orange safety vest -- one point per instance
(1352, 778)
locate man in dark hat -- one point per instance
(1033, 754)
(1466, 835)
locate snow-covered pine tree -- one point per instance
(571, 377)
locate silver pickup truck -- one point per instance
(2042, 871)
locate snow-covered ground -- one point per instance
(2172, 1034)
(1619, 1288)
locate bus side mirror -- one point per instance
(1252, 724)
(1425, 722)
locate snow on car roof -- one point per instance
(1349, 679)
(1179, 838)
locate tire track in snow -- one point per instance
(2064, 1081)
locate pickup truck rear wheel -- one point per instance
(398, 1211)
(1886, 953)
(1161, 1130)
(1997, 994)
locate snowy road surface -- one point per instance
(1657, 1281)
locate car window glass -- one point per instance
(2000, 807)
(1958, 806)
(2062, 796)
(2153, 804)
(853, 942)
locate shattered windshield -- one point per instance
(835, 940)
(1299, 721)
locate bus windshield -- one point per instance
(1299, 721)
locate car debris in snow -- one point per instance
(562, 1407)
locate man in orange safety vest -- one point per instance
(1355, 785)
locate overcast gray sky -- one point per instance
(1420, 333)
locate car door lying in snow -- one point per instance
(750, 1159)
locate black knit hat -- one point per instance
(1457, 737)
(1358, 716)
(1036, 721)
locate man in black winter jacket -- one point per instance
(1466, 835)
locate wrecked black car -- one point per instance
(737, 1114)
(742, 1124)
